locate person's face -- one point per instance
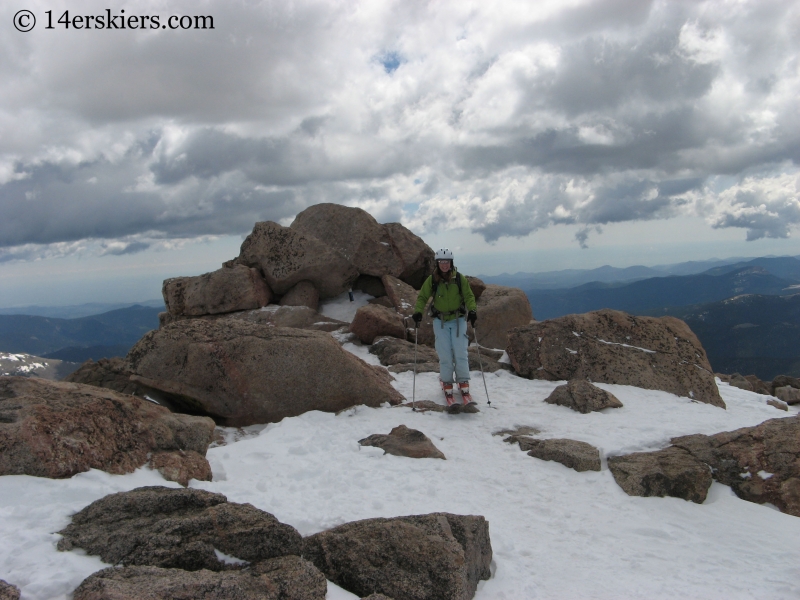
(444, 266)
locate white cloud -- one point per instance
(500, 118)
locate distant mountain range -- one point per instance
(76, 311)
(766, 276)
(750, 334)
(108, 334)
(570, 278)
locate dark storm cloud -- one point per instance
(502, 118)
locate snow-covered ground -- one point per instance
(555, 533)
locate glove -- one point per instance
(417, 316)
(472, 316)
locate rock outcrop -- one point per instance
(287, 256)
(57, 429)
(437, 556)
(222, 291)
(761, 464)
(500, 310)
(242, 373)
(582, 396)
(110, 373)
(609, 346)
(177, 529)
(297, 317)
(402, 441)
(373, 249)
(283, 578)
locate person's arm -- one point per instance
(469, 297)
(424, 293)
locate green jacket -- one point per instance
(448, 299)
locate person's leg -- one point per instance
(459, 343)
(444, 348)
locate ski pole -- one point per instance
(414, 388)
(480, 362)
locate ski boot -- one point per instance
(453, 407)
(470, 406)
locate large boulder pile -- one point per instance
(609, 346)
(57, 429)
(176, 543)
(241, 373)
(761, 464)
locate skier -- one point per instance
(453, 305)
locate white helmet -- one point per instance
(444, 254)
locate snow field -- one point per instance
(556, 533)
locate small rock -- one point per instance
(740, 382)
(669, 472)
(778, 404)
(788, 394)
(181, 467)
(570, 453)
(8, 591)
(402, 441)
(582, 396)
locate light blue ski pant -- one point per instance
(451, 346)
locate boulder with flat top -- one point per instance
(241, 372)
(609, 346)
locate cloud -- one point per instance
(503, 119)
(768, 207)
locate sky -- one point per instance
(526, 136)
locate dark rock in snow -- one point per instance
(283, 578)
(57, 429)
(669, 472)
(609, 346)
(437, 556)
(8, 591)
(778, 404)
(582, 396)
(570, 453)
(402, 441)
(177, 528)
